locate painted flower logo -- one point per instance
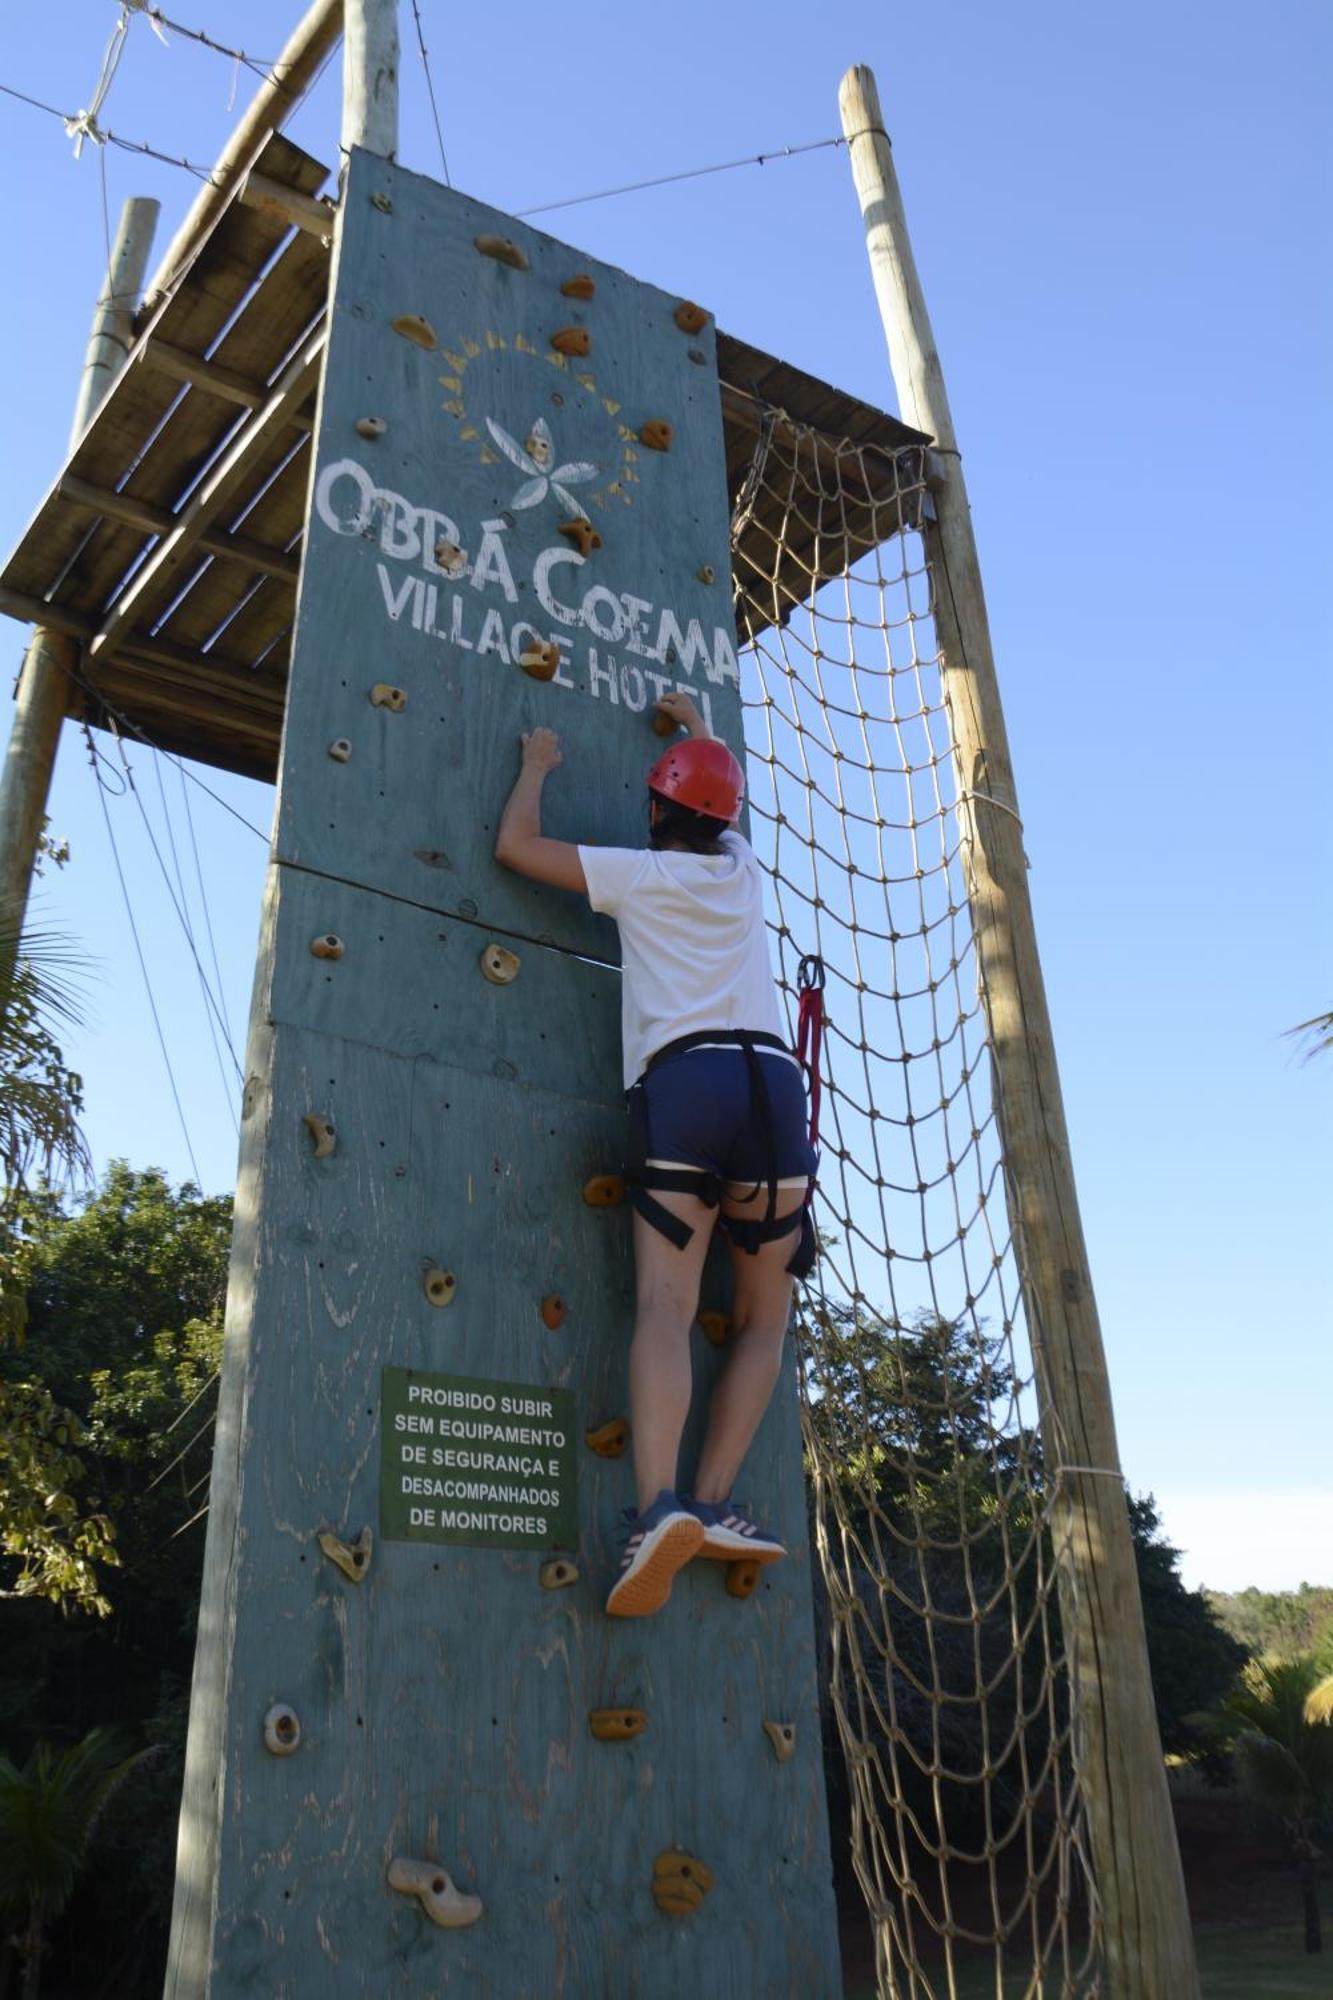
(471, 380)
(534, 457)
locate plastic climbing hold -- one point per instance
(617, 1725)
(503, 250)
(322, 1133)
(656, 434)
(450, 558)
(680, 1882)
(382, 203)
(572, 340)
(580, 286)
(782, 1735)
(501, 967)
(282, 1730)
(716, 1326)
(742, 1578)
(706, 573)
(663, 725)
(697, 356)
(558, 1573)
(352, 1558)
(434, 1889)
(371, 427)
(327, 946)
(604, 1191)
(340, 749)
(382, 695)
(553, 1310)
(540, 661)
(439, 1285)
(414, 328)
(689, 317)
(609, 1440)
(582, 533)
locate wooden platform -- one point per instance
(170, 543)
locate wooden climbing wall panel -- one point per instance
(442, 1694)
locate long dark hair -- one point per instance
(675, 825)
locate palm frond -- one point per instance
(48, 1811)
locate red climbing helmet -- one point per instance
(701, 773)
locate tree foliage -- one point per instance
(1276, 1720)
(49, 1807)
(125, 1296)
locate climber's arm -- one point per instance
(520, 843)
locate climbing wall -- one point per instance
(421, 1758)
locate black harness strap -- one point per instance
(748, 1234)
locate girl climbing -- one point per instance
(718, 1122)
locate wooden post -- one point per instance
(1135, 1859)
(43, 688)
(272, 104)
(370, 76)
(113, 321)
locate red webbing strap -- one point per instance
(810, 1030)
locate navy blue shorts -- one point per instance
(700, 1114)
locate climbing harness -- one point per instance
(748, 1234)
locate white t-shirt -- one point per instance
(693, 946)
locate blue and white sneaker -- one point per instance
(731, 1536)
(661, 1541)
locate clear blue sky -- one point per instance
(1121, 221)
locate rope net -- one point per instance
(948, 1680)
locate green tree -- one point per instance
(1277, 1719)
(50, 1543)
(1193, 1658)
(49, 1808)
(125, 1296)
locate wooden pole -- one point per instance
(370, 77)
(271, 106)
(1135, 1858)
(52, 656)
(113, 321)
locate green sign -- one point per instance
(464, 1460)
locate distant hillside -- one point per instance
(1283, 1622)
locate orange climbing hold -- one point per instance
(582, 533)
(553, 1310)
(609, 1440)
(663, 725)
(540, 661)
(617, 1725)
(656, 434)
(716, 1326)
(572, 340)
(742, 1578)
(689, 317)
(680, 1882)
(327, 946)
(580, 286)
(503, 250)
(604, 1191)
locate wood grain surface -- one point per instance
(444, 1700)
